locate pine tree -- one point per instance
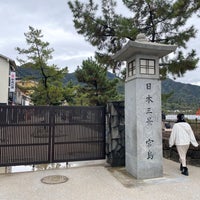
(48, 89)
(72, 94)
(161, 21)
(97, 88)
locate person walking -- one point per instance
(181, 136)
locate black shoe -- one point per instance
(185, 171)
(181, 167)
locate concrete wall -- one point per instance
(4, 80)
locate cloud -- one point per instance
(55, 20)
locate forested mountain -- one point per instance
(183, 96)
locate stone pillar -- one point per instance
(143, 128)
(143, 132)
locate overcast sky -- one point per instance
(54, 18)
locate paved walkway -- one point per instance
(97, 182)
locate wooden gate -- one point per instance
(48, 134)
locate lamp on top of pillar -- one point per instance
(143, 132)
(142, 57)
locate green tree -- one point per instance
(97, 88)
(72, 93)
(161, 21)
(48, 89)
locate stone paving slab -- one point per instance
(100, 182)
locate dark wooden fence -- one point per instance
(45, 134)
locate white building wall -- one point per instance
(4, 80)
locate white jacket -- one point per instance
(182, 134)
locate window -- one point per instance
(131, 68)
(147, 66)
